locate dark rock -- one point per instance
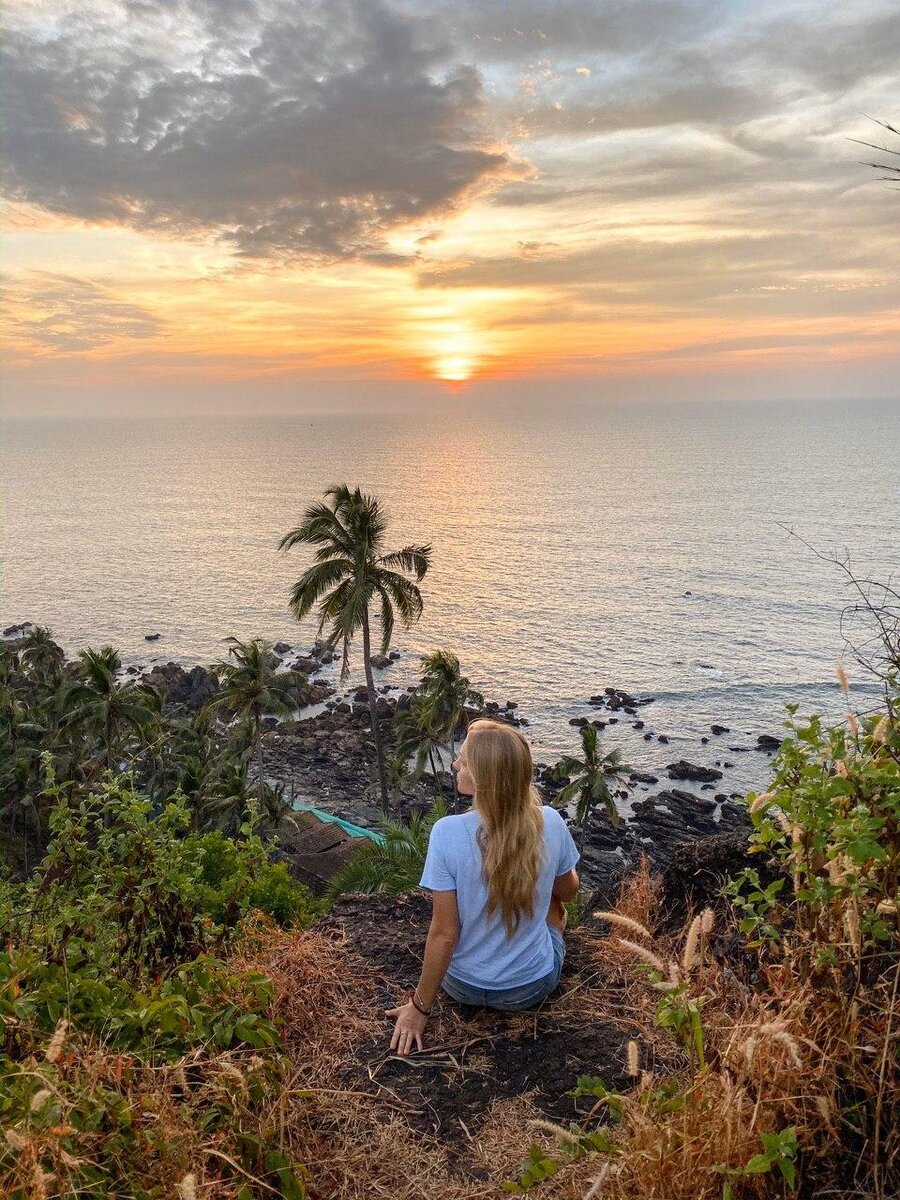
(717, 729)
(662, 738)
(648, 737)
(739, 749)
(194, 689)
(579, 722)
(152, 637)
(305, 665)
(696, 873)
(281, 648)
(380, 661)
(690, 771)
(704, 740)
(638, 725)
(643, 777)
(12, 630)
(612, 721)
(598, 724)
(766, 741)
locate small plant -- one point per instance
(778, 1153)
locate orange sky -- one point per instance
(416, 196)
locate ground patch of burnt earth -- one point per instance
(474, 1057)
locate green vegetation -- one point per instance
(352, 570)
(589, 780)
(251, 688)
(396, 864)
(122, 1016)
(437, 712)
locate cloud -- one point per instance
(70, 315)
(287, 128)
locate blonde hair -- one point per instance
(511, 836)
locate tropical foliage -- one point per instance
(589, 780)
(394, 865)
(119, 1006)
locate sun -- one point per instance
(454, 368)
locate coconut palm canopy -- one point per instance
(352, 569)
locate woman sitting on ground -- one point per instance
(499, 875)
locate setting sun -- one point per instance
(455, 368)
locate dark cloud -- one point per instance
(68, 315)
(290, 128)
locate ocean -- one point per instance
(644, 547)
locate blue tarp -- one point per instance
(330, 819)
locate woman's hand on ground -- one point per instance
(409, 1028)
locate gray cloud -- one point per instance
(65, 314)
(287, 129)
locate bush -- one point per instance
(127, 1039)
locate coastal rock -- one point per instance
(683, 770)
(696, 872)
(152, 637)
(380, 661)
(281, 648)
(719, 729)
(766, 741)
(643, 777)
(14, 630)
(578, 722)
(193, 688)
(662, 738)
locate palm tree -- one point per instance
(42, 657)
(251, 689)
(227, 798)
(393, 865)
(589, 780)
(417, 736)
(100, 705)
(447, 694)
(351, 571)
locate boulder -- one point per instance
(380, 661)
(766, 741)
(718, 729)
(152, 637)
(281, 648)
(690, 771)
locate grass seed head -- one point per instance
(647, 956)
(633, 1060)
(843, 680)
(56, 1042)
(691, 943)
(615, 918)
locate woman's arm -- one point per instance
(443, 935)
(565, 887)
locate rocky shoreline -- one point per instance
(324, 756)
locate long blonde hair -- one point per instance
(511, 836)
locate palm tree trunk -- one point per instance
(373, 715)
(260, 781)
(434, 771)
(452, 772)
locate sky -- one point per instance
(279, 205)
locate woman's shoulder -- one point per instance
(454, 824)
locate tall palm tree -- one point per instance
(590, 778)
(251, 688)
(98, 704)
(447, 695)
(351, 571)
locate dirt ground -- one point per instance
(474, 1057)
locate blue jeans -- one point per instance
(512, 999)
